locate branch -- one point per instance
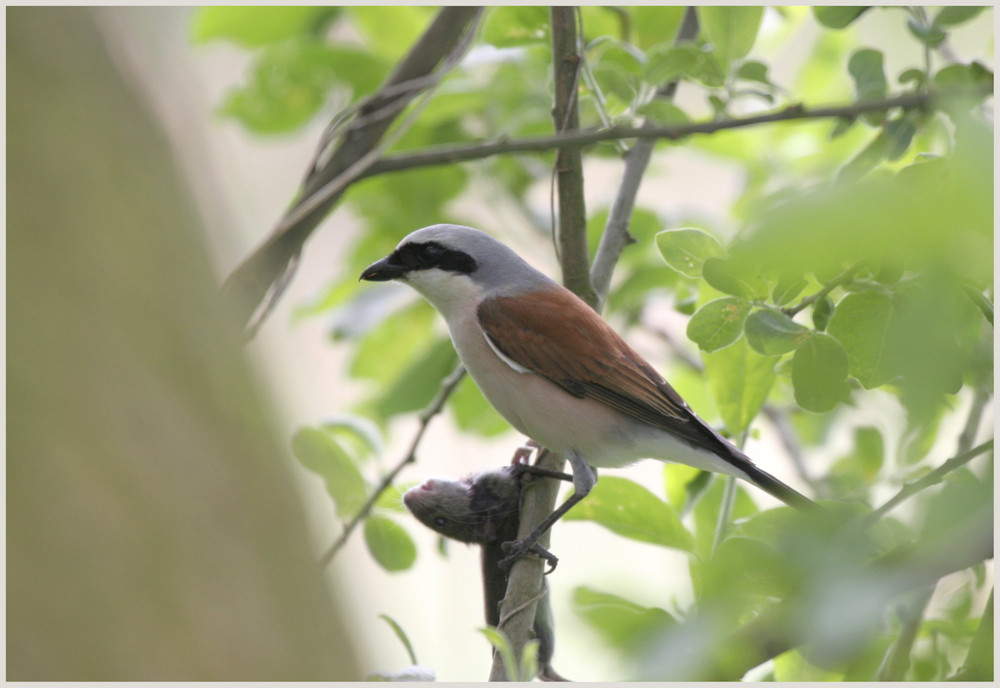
(910, 613)
(448, 386)
(574, 257)
(256, 284)
(443, 155)
(525, 581)
(932, 478)
(840, 280)
(616, 235)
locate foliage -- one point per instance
(857, 266)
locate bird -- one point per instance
(555, 369)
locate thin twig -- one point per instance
(932, 478)
(448, 386)
(443, 155)
(910, 612)
(616, 235)
(519, 608)
(838, 281)
(968, 434)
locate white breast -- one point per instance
(558, 420)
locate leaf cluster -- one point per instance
(855, 264)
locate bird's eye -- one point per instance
(440, 521)
(431, 252)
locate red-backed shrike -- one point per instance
(552, 367)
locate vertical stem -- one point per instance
(572, 233)
(725, 512)
(525, 580)
(910, 612)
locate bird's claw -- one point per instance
(516, 549)
(523, 453)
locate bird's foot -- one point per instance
(523, 453)
(516, 549)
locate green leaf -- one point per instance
(664, 112)
(984, 305)
(390, 31)
(473, 413)
(862, 325)
(866, 160)
(928, 34)
(762, 570)
(729, 279)
(253, 27)
(900, 133)
(652, 25)
(320, 453)
(498, 639)
(384, 352)
(819, 373)
(869, 451)
(732, 30)
(865, 67)
(740, 380)
(389, 543)
(618, 621)
(629, 509)
(822, 310)
(508, 26)
(957, 14)
(718, 323)
(419, 383)
(291, 82)
(838, 16)
(687, 249)
(357, 432)
(792, 666)
(401, 634)
(678, 481)
(686, 61)
(960, 75)
(790, 284)
(772, 333)
(754, 70)
(529, 660)
(917, 76)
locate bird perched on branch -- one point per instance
(551, 366)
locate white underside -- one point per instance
(603, 437)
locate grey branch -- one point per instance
(448, 386)
(257, 282)
(443, 155)
(616, 235)
(932, 478)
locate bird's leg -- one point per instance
(531, 469)
(584, 479)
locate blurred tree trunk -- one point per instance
(153, 531)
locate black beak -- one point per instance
(383, 271)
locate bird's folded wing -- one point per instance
(556, 335)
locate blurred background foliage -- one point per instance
(850, 283)
(836, 316)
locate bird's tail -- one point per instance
(773, 486)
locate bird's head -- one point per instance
(451, 266)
